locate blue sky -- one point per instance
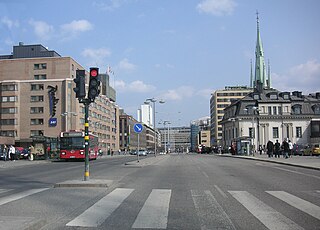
(176, 50)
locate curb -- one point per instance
(272, 161)
(93, 183)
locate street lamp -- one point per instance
(153, 101)
(65, 114)
(166, 140)
(254, 110)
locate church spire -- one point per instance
(260, 70)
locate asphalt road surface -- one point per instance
(165, 192)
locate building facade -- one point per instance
(219, 100)
(37, 98)
(175, 139)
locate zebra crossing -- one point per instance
(155, 210)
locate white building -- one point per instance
(145, 115)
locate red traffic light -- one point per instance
(93, 72)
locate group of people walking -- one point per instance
(275, 149)
(8, 152)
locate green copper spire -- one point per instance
(260, 70)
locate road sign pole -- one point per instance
(138, 147)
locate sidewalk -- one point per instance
(311, 162)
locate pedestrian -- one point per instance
(31, 152)
(277, 149)
(260, 149)
(270, 148)
(285, 147)
(5, 152)
(290, 149)
(12, 153)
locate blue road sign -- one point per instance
(138, 128)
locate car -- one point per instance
(316, 150)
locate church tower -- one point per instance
(260, 76)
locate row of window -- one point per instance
(38, 121)
(5, 99)
(14, 110)
(13, 133)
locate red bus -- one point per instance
(72, 145)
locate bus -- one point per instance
(72, 145)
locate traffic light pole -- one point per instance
(86, 139)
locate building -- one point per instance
(272, 115)
(175, 139)
(219, 100)
(145, 115)
(38, 101)
(268, 114)
(197, 126)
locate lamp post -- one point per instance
(254, 110)
(153, 101)
(166, 140)
(65, 114)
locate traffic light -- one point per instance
(94, 84)
(80, 88)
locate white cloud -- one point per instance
(205, 93)
(43, 30)
(76, 26)
(9, 23)
(135, 86)
(96, 57)
(109, 5)
(178, 94)
(96, 53)
(217, 7)
(303, 77)
(124, 64)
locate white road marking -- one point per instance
(211, 215)
(264, 213)
(20, 195)
(220, 191)
(154, 213)
(205, 174)
(2, 190)
(100, 211)
(298, 203)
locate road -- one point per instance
(165, 192)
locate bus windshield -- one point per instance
(71, 143)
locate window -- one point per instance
(37, 87)
(40, 77)
(12, 110)
(251, 132)
(274, 110)
(36, 133)
(8, 133)
(316, 109)
(9, 99)
(36, 110)
(269, 110)
(36, 98)
(12, 87)
(279, 110)
(273, 96)
(296, 109)
(8, 122)
(299, 132)
(36, 122)
(40, 66)
(275, 132)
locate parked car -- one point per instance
(316, 150)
